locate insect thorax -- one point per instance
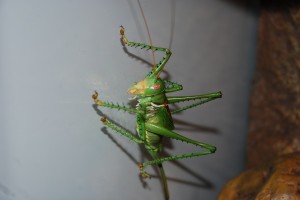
(156, 110)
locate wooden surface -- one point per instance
(277, 181)
(275, 102)
(273, 158)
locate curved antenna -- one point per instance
(150, 40)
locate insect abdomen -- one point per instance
(153, 141)
(161, 117)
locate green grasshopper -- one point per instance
(153, 117)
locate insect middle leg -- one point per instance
(113, 125)
(121, 130)
(171, 134)
(203, 98)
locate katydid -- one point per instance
(153, 117)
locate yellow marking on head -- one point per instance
(138, 88)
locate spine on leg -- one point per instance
(122, 131)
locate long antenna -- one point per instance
(152, 49)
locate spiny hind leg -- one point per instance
(143, 172)
(209, 149)
(154, 155)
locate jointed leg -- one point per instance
(159, 67)
(171, 134)
(204, 98)
(172, 86)
(121, 130)
(176, 99)
(111, 105)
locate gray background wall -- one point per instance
(54, 54)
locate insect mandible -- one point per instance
(153, 116)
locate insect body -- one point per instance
(154, 119)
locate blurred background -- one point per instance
(54, 54)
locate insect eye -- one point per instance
(156, 86)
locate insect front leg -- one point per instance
(159, 67)
(111, 105)
(171, 134)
